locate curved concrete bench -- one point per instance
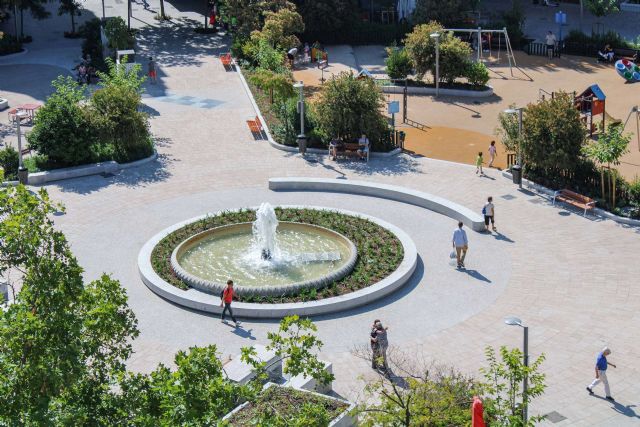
(202, 301)
(437, 204)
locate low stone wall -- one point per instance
(418, 90)
(443, 206)
(40, 178)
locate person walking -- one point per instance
(550, 40)
(226, 298)
(601, 373)
(461, 244)
(373, 338)
(152, 70)
(488, 211)
(479, 162)
(493, 153)
(382, 343)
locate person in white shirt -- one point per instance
(363, 147)
(291, 55)
(460, 243)
(551, 44)
(488, 212)
(493, 152)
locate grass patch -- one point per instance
(379, 251)
(288, 406)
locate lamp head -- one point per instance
(510, 111)
(435, 36)
(512, 321)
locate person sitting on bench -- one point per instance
(363, 147)
(606, 54)
(334, 146)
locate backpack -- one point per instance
(484, 210)
(222, 294)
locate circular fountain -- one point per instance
(264, 258)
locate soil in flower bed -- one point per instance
(379, 251)
(287, 404)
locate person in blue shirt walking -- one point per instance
(601, 373)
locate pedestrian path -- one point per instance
(191, 101)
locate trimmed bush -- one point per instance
(9, 162)
(477, 74)
(9, 44)
(398, 63)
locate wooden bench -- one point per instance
(349, 149)
(574, 199)
(227, 61)
(255, 126)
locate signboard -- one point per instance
(393, 107)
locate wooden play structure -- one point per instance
(591, 103)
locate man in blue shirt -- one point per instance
(601, 373)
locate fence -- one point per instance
(539, 49)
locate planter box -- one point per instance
(302, 382)
(418, 90)
(342, 420)
(630, 7)
(4, 104)
(240, 372)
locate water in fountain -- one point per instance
(264, 231)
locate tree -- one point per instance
(454, 53)
(398, 63)
(249, 14)
(607, 150)
(508, 131)
(553, 134)
(296, 344)
(118, 34)
(348, 107)
(602, 8)
(327, 15)
(416, 393)
(62, 129)
(447, 12)
(279, 85)
(279, 28)
(503, 385)
(63, 342)
(73, 8)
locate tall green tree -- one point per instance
(63, 342)
(249, 14)
(606, 151)
(602, 8)
(279, 29)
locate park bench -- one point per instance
(255, 126)
(349, 149)
(227, 61)
(574, 199)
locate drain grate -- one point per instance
(555, 417)
(508, 197)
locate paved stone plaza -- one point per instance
(573, 280)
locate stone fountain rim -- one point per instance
(264, 290)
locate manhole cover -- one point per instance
(555, 417)
(508, 197)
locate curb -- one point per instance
(198, 300)
(598, 211)
(40, 178)
(441, 91)
(274, 144)
(400, 194)
(13, 55)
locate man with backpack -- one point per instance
(488, 211)
(226, 297)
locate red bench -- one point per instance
(255, 126)
(226, 60)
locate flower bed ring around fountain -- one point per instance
(265, 290)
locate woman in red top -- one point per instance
(226, 299)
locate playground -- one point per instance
(455, 128)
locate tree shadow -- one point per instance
(140, 176)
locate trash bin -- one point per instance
(516, 173)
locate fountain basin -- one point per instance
(206, 260)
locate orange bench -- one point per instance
(226, 60)
(574, 199)
(255, 126)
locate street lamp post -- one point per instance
(23, 174)
(302, 139)
(519, 112)
(514, 321)
(436, 38)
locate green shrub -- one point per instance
(599, 40)
(9, 44)
(62, 128)
(477, 74)
(633, 192)
(398, 63)
(118, 34)
(9, 162)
